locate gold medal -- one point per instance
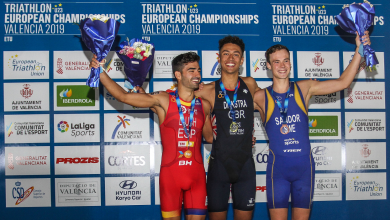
(188, 154)
(284, 129)
(233, 127)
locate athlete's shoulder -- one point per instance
(250, 82)
(206, 91)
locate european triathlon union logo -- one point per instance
(122, 123)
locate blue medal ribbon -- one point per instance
(187, 131)
(232, 113)
(283, 111)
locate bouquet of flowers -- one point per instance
(358, 18)
(98, 33)
(137, 56)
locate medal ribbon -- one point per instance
(228, 99)
(283, 111)
(187, 131)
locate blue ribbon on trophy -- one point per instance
(358, 18)
(98, 33)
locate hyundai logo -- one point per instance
(127, 184)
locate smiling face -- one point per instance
(190, 75)
(230, 58)
(279, 64)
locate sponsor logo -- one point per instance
(26, 92)
(365, 152)
(318, 60)
(59, 66)
(326, 184)
(186, 144)
(292, 150)
(63, 126)
(8, 128)
(79, 129)
(216, 68)
(20, 194)
(77, 160)
(323, 126)
(349, 125)
(290, 141)
(128, 184)
(364, 95)
(261, 188)
(262, 157)
(365, 186)
(78, 189)
(29, 128)
(322, 99)
(33, 66)
(126, 159)
(367, 125)
(128, 193)
(71, 66)
(259, 64)
(75, 95)
(185, 162)
(319, 150)
(251, 202)
(118, 132)
(26, 160)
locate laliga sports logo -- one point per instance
(66, 93)
(26, 92)
(350, 128)
(318, 60)
(365, 152)
(63, 126)
(122, 122)
(19, 193)
(313, 123)
(216, 68)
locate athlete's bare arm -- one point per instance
(259, 102)
(207, 129)
(207, 92)
(312, 87)
(159, 101)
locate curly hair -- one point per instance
(180, 60)
(234, 40)
(273, 49)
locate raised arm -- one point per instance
(207, 129)
(346, 78)
(141, 100)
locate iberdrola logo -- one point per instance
(66, 93)
(313, 123)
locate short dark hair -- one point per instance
(234, 40)
(180, 60)
(273, 49)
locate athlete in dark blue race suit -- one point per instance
(283, 109)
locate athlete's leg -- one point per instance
(195, 197)
(243, 215)
(244, 191)
(218, 190)
(171, 196)
(278, 214)
(300, 214)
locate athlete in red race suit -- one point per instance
(182, 173)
